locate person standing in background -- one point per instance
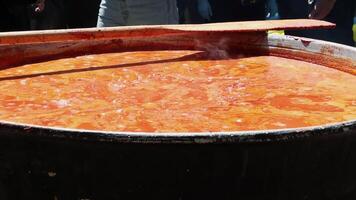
(137, 12)
(340, 12)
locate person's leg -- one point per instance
(182, 6)
(272, 10)
(247, 10)
(293, 9)
(194, 15)
(5, 18)
(223, 10)
(172, 12)
(146, 12)
(112, 13)
(79, 17)
(16, 16)
(54, 16)
(238, 10)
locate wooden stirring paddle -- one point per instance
(154, 30)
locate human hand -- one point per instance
(40, 6)
(204, 9)
(321, 9)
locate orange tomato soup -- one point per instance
(176, 91)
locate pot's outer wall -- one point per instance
(314, 168)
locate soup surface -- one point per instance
(176, 91)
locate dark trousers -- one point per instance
(14, 15)
(82, 13)
(342, 15)
(188, 12)
(60, 14)
(53, 17)
(238, 10)
(19, 15)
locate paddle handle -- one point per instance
(28, 37)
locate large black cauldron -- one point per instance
(307, 163)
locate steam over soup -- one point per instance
(176, 91)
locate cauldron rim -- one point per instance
(271, 135)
